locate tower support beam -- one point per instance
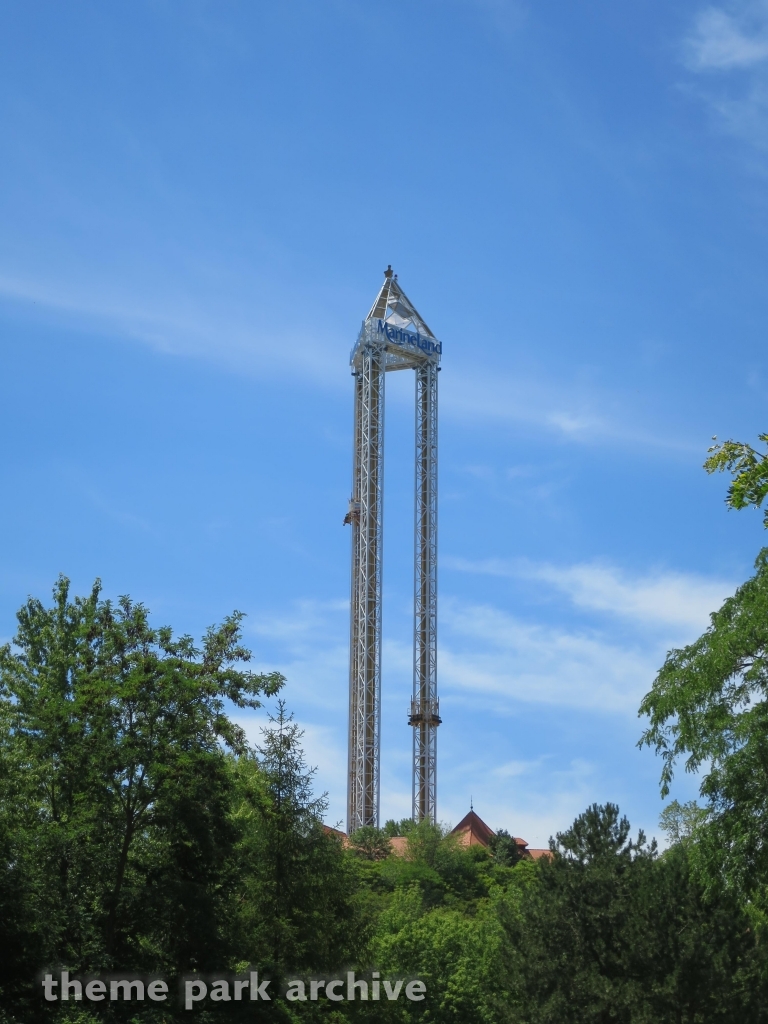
(365, 517)
(425, 711)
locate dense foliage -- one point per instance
(709, 706)
(140, 832)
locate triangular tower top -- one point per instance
(394, 307)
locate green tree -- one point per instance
(394, 828)
(709, 705)
(114, 783)
(680, 822)
(703, 961)
(505, 850)
(610, 931)
(577, 923)
(370, 843)
(433, 859)
(298, 895)
(462, 958)
(749, 469)
(429, 843)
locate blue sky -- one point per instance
(197, 201)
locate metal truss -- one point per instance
(365, 517)
(392, 337)
(425, 710)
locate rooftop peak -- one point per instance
(394, 307)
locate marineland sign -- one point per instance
(408, 340)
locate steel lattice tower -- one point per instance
(393, 337)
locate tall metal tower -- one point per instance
(393, 337)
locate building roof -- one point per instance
(329, 831)
(399, 845)
(472, 831)
(537, 854)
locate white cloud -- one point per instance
(519, 400)
(190, 325)
(308, 644)
(490, 660)
(514, 769)
(306, 623)
(720, 41)
(674, 599)
(727, 42)
(573, 410)
(493, 653)
(317, 678)
(671, 599)
(745, 117)
(192, 320)
(495, 661)
(485, 650)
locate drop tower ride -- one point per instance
(393, 337)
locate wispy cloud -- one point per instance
(305, 623)
(488, 651)
(524, 400)
(241, 338)
(494, 660)
(510, 659)
(727, 50)
(506, 659)
(514, 769)
(239, 335)
(574, 411)
(115, 506)
(663, 598)
(722, 41)
(308, 644)
(674, 599)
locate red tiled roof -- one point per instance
(342, 836)
(472, 831)
(537, 854)
(335, 831)
(399, 845)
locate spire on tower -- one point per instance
(394, 307)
